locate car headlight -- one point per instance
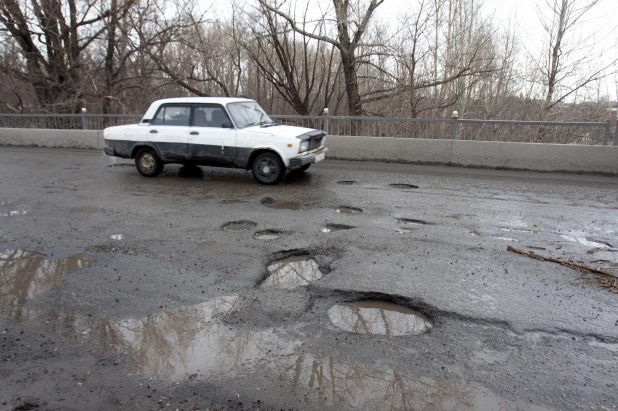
(304, 146)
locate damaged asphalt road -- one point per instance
(354, 286)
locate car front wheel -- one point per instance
(267, 168)
(148, 162)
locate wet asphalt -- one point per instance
(202, 289)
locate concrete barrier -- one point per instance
(51, 138)
(481, 154)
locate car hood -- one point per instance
(283, 131)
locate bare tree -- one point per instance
(352, 21)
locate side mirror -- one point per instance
(227, 125)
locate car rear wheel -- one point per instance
(148, 162)
(267, 168)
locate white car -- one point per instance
(215, 131)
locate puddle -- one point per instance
(333, 384)
(267, 235)
(349, 210)
(411, 221)
(285, 206)
(403, 185)
(239, 226)
(377, 317)
(231, 201)
(25, 274)
(403, 230)
(291, 273)
(331, 228)
(473, 234)
(346, 182)
(505, 239)
(116, 236)
(586, 241)
(14, 213)
(191, 342)
(206, 243)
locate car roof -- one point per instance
(218, 100)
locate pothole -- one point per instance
(267, 235)
(349, 210)
(285, 206)
(403, 230)
(267, 201)
(516, 230)
(231, 201)
(378, 317)
(292, 272)
(243, 225)
(403, 185)
(331, 228)
(346, 182)
(207, 243)
(117, 236)
(25, 274)
(412, 221)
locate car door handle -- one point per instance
(153, 131)
(194, 133)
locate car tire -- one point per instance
(148, 162)
(267, 168)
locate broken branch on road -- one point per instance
(566, 263)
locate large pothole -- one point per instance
(331, 228)
(292, 272)
(378, 317)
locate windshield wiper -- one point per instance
(271, 124)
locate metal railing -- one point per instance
(587, 133)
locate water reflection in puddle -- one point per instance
(349, 210)
(267, 235)
(25, 274)
(291, 273)
(190, 341)
(585, 241)
(338, 385)
(14, 213)
(239, 226)
(377, 317)
(285, 206)
(331, 228)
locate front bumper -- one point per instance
(308, 158)
(110, 151)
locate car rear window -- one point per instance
(172, 115)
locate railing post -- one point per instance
(84, 124)
(454, 125)
(325, 112)
(608, 132)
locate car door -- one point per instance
(169, 131)
(212, 138)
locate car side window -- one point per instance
(172, 115)
(211, 115)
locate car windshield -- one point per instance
(248, 113)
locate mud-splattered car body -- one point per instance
(213, 131)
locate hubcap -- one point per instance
(147, 162)
(267, 168)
